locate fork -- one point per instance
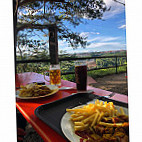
(107, 96)
(94, 96)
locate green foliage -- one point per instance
(33, 15)
(31, 49)
(70, 77)
(68, 66)
(102, 72)
(108, 62)
(32, 67)
(40, 68)
(97, 73)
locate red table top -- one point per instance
(27, 107)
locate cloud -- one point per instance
(95, 47)
(103, 44)
(122, 27)
(106, 43)
(103, 39)
(84, 34)
(62, 43)
(109, 38)
(106, 46)
(97, 33)
(115, 8)
(100, 43)
(97, 42)
(94, 39)
(87, 34)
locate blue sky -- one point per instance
(108, 34)
(103, 35)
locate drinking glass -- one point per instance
(81, 75)
(54, 75)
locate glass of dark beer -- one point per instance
(81, 76)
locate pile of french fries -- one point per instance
(87, 116)
(33, 90)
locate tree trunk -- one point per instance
(53, 45)
(15, 30)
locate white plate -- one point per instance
(52, 87)
(67, 126)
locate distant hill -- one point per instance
(103, 53)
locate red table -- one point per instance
(27, 107)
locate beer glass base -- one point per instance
(56, 85)
(81, 91)
(87, 91)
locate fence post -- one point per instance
(116, 64)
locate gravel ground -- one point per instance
(115, 83)
(31, 135)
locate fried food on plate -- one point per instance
(34, 90)
(100, 122)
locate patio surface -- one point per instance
(114, 83)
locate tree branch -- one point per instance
(21, 27)
(28, 1)
(119, 2)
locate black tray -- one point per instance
(52, 113)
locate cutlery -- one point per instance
(72, 88)
(62, 88)
(109, 96)
(67, 88)
(101, 97)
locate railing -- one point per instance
(81, 58)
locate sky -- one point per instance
(108, 34)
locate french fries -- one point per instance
(114, 124)
(122, 111)
(33, 90)
(95, 119)
(87, 116)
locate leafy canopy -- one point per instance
(39, 14)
